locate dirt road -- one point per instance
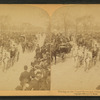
(65, 77)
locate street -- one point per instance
(9, 80)
(64, 76)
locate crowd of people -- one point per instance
(9, 53)
(60, 45)
(87, 51)
(10, 44)
(38, 77)
(83, 48)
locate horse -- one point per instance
(60, 50)
(14, 55)
(94, 55)
(88, 60)
(6, 62)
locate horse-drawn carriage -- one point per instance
(60, 50)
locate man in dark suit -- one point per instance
(25, 76)
(34, 84)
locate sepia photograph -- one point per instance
(76, 54)
(24, 48)
(49, 49)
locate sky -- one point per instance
(74, 12)
(25, 14)
(80, 10)
(39, 15)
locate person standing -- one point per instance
(25, 76)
